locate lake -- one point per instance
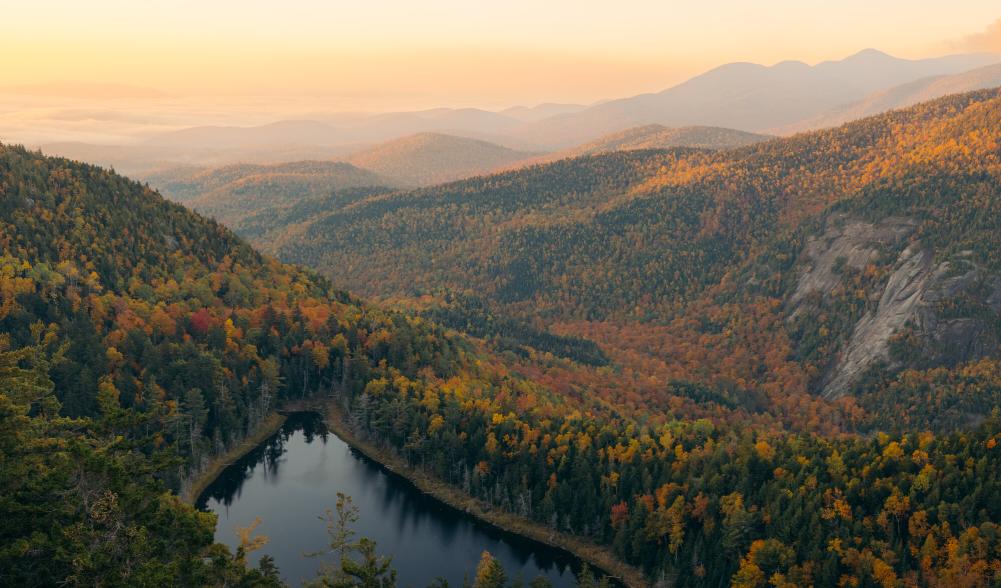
(294, 476)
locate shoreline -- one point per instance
(268, 427)
(596, 556)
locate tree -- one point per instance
(248, 541)
(489, 572)
(372, 571)
(358, 565)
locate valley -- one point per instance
(262, 330)
(514, 425)
(611, 247)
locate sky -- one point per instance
(400, 54)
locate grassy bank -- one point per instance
(597, 556)
(268, 427)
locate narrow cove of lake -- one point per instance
(293, 477)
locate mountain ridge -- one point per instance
(903, 96)
(656, 136)
(432, 158)
(638, 237)
(744, 96)
(230, 193)
(751, 97)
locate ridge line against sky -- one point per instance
(405, 55)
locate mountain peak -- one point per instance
(791, 64)
(429, 157)
(869, 54)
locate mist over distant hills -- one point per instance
(343, 130)
(904, 95)
(780, 99)
(422, 159)
(542, 111)
(433, 158)
(751, 97)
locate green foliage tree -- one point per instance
(357, 565)
(489, 572)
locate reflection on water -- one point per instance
(292, 478)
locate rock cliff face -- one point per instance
(845, 242)
(960, 317)
(950, 309)
(900, 304)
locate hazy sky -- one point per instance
(371, 54)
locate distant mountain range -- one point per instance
(904, 95)
(423, 159)
(749, 96)
(347, 129)
(743, 96)
(779, 99)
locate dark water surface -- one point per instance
(291, 479)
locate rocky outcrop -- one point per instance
(970, 335)
(919, 286)
(899, 305)
(849, 242)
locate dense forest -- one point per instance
(769, 270)
(648, 351)
(138, 341)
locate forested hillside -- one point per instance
(231, 193)
(691, 442)
(770, 269)
(138, 341)
(655, 137)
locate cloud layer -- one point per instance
(988, 41)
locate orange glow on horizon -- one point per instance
(397, 54)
